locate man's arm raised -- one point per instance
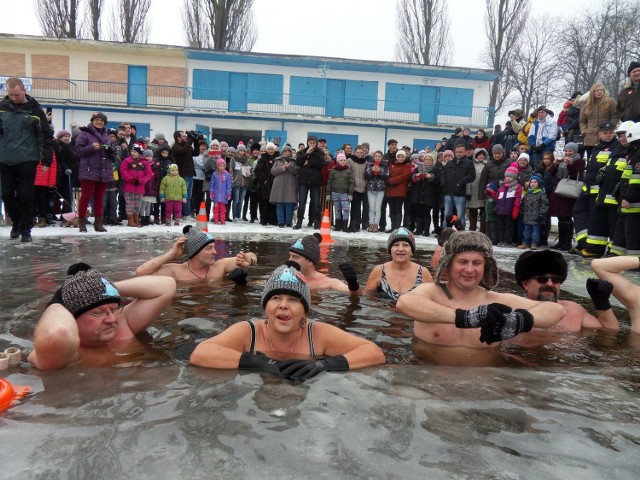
(56, 339)
(152, 295)
(156, 264)
(627, 293)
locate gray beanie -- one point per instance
(572, 146)
(404, 235)
(470, 242)
(497, 148)
(308, 247)
(147, 153)
(288, 280)
(196, 241)
(87, 288)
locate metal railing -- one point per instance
(163, 97)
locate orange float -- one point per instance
(9, 393)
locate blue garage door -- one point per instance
(137, 88)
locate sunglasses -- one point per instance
(546, 278)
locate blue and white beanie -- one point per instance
(288, 280)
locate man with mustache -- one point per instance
(542, 273)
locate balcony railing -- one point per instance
(163, 97)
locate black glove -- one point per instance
(516, 322)
(350, 275)
(238, 276)
(305, 369)
(135, 181)
(540, 219)
(599, 291)
(258, 361)
(481, 315)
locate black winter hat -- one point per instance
(542, 262)
(632, 66)
(308, 247)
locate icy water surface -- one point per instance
(566, 407)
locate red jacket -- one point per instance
(398, 181)
(49, 178)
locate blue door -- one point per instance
(335, 141)
(335, 98)
(428, 113)
(204, 129)
(137, 89)
(238, 92)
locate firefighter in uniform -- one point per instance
(603, 219)
(626, 239)
(608, 146)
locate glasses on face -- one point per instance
(546, 278)
(102, 314)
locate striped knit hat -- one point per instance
(196, 241)
(308, 247)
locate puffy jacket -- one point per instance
(95, 165)
(135, 174)
(376, 183)
(534, 203)
(341, 180)
(508, 200)
(173, 187)
(398, 181)
(220, 187)
(602, 112)
(358, 166)
(152, 187)
(310, 164)
(549, 129)
(25, 133)
(48, 178)
(456, 175)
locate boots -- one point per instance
(298, 225)
(130, 222)
(136, 219)
(337, 225)
(144, 221)
(564, 236)
(156, 220)
(98, 225)
(345, 225)
(82, 224)
(42, 222)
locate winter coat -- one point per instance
(398, 181)
(600, 156)
(25, 133)
(220, 187)
(630, 183)
(152, 187)
(492, 172)
(563, 206)
(601, 113)
(424, 191)
(67, 160)
(341, 180)
(473, 188)
(95, 165)
(358, 166)
(240, 177)
(209, 159)
(48, 178)
(611, 177)
(508, 200)
(534, 205)
(198, 166)
(173, 187)
(376, 183)
(628, 107)
(135, 173)
(264, 179)
(490, 210)
(524, 174)
(573, 123)
(549, 129)
(182, 156)
(310, 164)
(523, 134)
(456, 175)
(285, 181)
(481, 143)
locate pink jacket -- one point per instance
(135, 173)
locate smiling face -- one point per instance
(401, 251)
(466, 270)
(98, 326)
(285, 312)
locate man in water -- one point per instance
(610, 269)
(542, 273)
(201, 264)
(85, 319)
(305, 252)
(464, 311)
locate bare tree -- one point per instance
(602, 52)
(423, 32)
(129, 21)
(195, 24)
(220, 24)
(535, 64)
(503, 23)
(59, 18)
(94, 13)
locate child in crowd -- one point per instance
(534, 213)
(136, 172)
(220, 191)
(151, 190)
(340, 191)
(491, 219)
(508, 205)
(173, 193)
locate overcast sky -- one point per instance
(358, 29)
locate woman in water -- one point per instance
(400, 275)
(285, 343)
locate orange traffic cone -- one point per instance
(325, 228)
(202, 221)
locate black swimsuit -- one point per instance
(309, 333)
